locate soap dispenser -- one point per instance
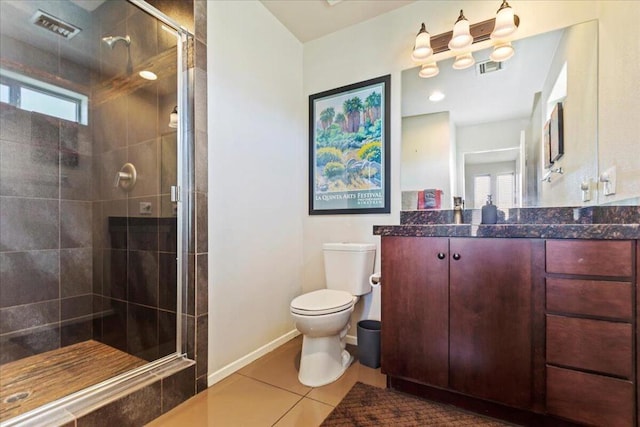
(489, 212)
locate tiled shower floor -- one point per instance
(58, 373)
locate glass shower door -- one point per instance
(88, 232)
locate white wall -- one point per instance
(489, 136)
(580, 116)
(426, 147)
(256, 178)
(258, 94)
(619, 96)
(383, 46)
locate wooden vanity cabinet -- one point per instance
(457, 314)
(415, 327)
(544, 328)
(590, 357)
(490, 335)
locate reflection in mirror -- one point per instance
(487, 135)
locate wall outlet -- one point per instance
(145, 208)
(608, 179)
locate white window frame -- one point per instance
(16, 81)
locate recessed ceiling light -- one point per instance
(436, 96)
(146, 74)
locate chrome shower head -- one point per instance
(112, 40)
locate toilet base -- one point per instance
(323, 359)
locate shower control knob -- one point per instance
(441, 255)
(456, 256)
(126, 177)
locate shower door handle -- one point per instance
(175, 194)
(126, 177)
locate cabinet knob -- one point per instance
(441, 255)
(456, 256)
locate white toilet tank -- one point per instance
(347, 266)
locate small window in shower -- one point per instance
(4, 93)
(30, 94)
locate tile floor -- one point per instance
(267, 393)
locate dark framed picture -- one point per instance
(546, 144)
(349, 149)
(556, 133)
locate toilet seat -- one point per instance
(323, 301)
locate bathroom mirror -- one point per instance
(486, 135)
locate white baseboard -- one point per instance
(232, 367)
(351, 339)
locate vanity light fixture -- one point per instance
(461, 38)
(506, 22)
(499, 29)
(422, 49)
(463, 61)
(502, 52)
(429, 69)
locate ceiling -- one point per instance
(311, 19)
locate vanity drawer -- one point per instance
(593, 345)
(590, 257)
(590, 399)
(590, 298)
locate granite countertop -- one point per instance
(606, 223)
(541, 231)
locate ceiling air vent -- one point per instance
(488, 67)
(53, 24)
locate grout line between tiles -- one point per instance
(275, 386)
(287, 411)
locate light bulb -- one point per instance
(502, 52)
(422, 49)
(429, 70)
(505, 22)
(463, 61)
(461, 38)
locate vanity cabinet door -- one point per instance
(415, 308)
(491, 319)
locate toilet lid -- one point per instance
(323, 301)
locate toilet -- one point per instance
(323, 316)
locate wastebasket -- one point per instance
(369, 343)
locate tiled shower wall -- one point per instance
(45, 233)
(45, 208)
(135, 235)
(54, 277)
(59, 263)
(147, 403)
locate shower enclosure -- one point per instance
(92, 168)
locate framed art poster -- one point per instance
(349, 149)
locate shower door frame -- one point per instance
(97, 395)
(184, 185)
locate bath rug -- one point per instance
(366, 406)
